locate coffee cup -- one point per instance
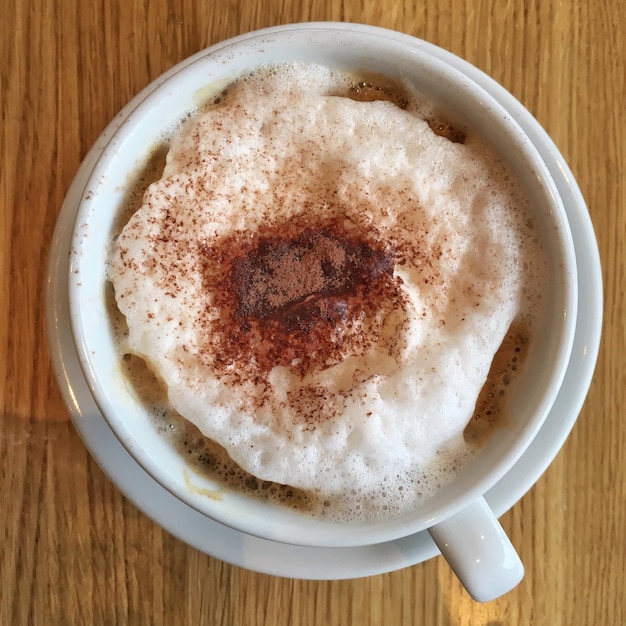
(457, 517)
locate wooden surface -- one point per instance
(72, 549)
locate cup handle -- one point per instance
(479, 551)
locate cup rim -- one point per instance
(127, 119)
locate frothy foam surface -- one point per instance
(322, 284)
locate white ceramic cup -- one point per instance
(457, 517)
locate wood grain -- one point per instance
(72, 549)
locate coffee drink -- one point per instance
(320, 280)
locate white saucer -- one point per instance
(323, 563)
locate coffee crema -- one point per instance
(321, 278)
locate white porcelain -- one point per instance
(482, 556)
(78, 399)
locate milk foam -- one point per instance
(380, 425)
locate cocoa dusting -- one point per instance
(300, 296)
(298, 282)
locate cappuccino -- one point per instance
(321, 278)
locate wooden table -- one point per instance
(73, 550)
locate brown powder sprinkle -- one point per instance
(280, 277)
(295, 294)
